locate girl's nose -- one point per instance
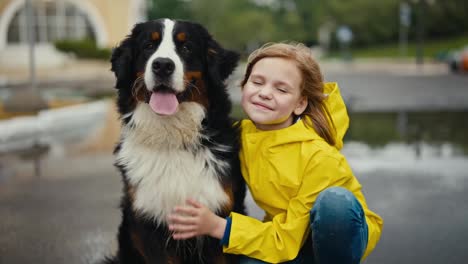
(265, 93)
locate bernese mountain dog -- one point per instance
(177, 140)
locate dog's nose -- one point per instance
(163, 67)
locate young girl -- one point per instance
(290, 159)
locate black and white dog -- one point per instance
(177, 139)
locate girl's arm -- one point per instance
(275, 241)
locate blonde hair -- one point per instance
(311, 86)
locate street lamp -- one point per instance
(405, 22)
(420, 27)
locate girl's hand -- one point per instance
(194, 220)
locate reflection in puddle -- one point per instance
(418, 129)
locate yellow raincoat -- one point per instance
(285, 170)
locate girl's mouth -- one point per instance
(262, 106)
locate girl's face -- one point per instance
(272, 94)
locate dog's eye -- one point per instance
(186, 48)
(149, 46)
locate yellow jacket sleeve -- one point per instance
(281, 238)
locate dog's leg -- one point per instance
(129, 243)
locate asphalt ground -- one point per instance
(70, 214)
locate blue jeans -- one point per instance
(338, 231)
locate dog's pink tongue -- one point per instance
(164, 103)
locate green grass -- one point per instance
(432, 49)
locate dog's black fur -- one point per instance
(141, 237)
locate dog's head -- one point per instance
(165, 63)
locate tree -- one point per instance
(447, 18)
(245, 24)
(237, 24)
(168, 9)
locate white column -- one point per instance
(60, 19)
(22, 26)
(40, 11)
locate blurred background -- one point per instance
(402, 67)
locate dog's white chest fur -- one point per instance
(163, 173)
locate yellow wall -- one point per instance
(115, 15)
(3, 3)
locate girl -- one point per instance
(290, 159)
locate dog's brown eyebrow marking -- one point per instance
(155, 36)
(181, 36)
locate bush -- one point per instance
(85, 48)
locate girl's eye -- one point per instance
(281, 90)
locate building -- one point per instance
(104, 21)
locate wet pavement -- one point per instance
(70, 214)
(426, 220)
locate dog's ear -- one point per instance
(122, 61)
(221, 62)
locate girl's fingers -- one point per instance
(182, 228)
(184, 220)
(186, 210)
(180, 236)
(194, 203)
